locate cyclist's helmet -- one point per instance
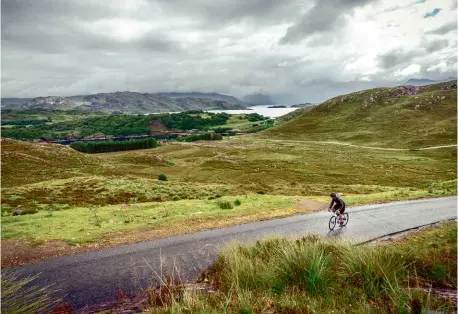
(333, 195)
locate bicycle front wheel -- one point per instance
(332, 223)
(346, 217)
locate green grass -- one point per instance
(241, 123)
(225, 205)
(52, 116)
(377, 117)
(42, 176)
(312, 275)
(81, 225)
(238, 121)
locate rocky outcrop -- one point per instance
(302, 105)
(402, 91)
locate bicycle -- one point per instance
(335, 219)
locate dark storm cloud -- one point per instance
(55, 26)
(435, 45)
(444, 29)
(67, 47)
(396, 57)
(220, 13)
(15, 12)
(323, 16)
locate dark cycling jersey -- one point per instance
(338, 201)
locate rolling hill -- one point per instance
(403, 117)
(25, 163)
(422, 81)
(126, 102)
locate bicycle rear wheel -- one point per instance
(346, 217)
(332, 223)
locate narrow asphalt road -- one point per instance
(366, 147)
(93, 277)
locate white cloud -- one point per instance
(365, 65)
(441, 67)
(119, 29)
(365, 79)
(410, 70)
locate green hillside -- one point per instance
(111, 198)
(403, 117)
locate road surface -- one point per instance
(366, 147)
(93, 277)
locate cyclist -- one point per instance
(339, 206)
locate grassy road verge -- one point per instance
(312, 275)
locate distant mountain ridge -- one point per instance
(128, 102)
(14, 101)
(423, 81)
(258, 99)
(215, 96)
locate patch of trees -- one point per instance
(252, 117)
(190, 120)
(221, 130)
(116, 125)
(113, 146)
(201, 137)
(24, 122)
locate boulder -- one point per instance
(18, 211)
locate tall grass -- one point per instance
(276, 265)
(375, 270)
(313, 275)
(225, 205)
(22, 296)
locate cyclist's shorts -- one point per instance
(340, 208)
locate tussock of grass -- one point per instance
(225, 205)
(313, 275)
(163, 177)
(24, 296)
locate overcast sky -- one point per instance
(295, 50)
